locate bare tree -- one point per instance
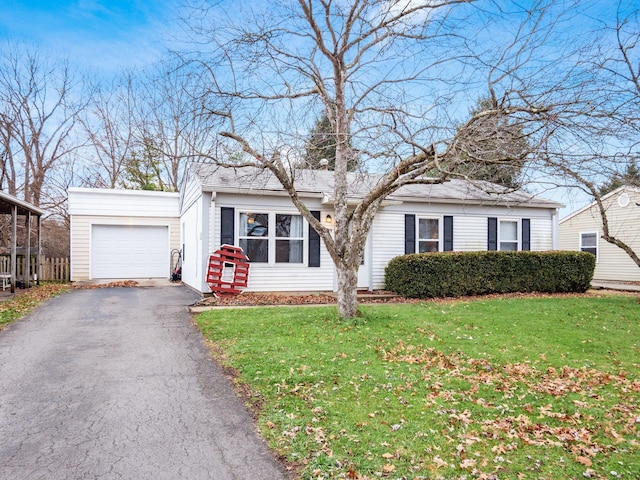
(39, 105)
(594, 141)
(109, 123)
(393, 77)
(172, 119)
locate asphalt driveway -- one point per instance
(116, 383)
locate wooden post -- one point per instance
(27, 251)
(14, 234)
(38, 248)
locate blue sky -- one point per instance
(103, 36)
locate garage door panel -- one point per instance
(128, 251)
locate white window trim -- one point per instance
(590, 232)
(518, 233)
(440, 230)
(271, 238)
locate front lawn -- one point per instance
(529, 388)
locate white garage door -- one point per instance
(128, 251)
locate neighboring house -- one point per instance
(249, 208)
(122, 233)
(582, 230)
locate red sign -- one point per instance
(228, 271)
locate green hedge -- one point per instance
(455, 274)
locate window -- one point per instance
(428, 235)
(271, 238)
(508, 235)
(289, 238)
(253, 236)
(589, 243)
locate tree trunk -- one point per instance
(347, 290)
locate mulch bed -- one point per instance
(264, 299)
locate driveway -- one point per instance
(116, 383)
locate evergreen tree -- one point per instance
(488, 139)
(630, 177)
(321, 144)
(143, 169)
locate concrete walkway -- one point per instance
(117, 383)
(610, 285)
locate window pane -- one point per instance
(254, 225)
(589, 240)
(256, 249)
(427, 246)
(428, 229)
(508, 246)
(288, 226)
(288, 251)
(508, 231)
(591, 250)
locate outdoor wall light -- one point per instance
(328, 220)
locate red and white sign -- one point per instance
(228, 271)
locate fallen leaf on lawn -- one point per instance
(468, 463)
(388, 468)
(439, 462)
(584, 461)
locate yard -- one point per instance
(527, 387)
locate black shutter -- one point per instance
(227, 224)
(314, 243)
(492, 237)
(409, 234)
(526, 234)
(448, 233)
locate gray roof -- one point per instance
(320, 184)
(7, 202)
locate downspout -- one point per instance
(14, 235)
(369, 259)
(555, 230)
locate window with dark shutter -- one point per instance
(409, 234)
(526, 234)
(314, 243)
(447, 225)
(227, 219)
(492, 234)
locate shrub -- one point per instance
(454, 274)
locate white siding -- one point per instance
(277, 277)
(122, 203)
(542, 234)
(469, 233)
(190, 223)
(387, 237)
(469, 229)
(190, 191)
(613, 263)
(388, 242)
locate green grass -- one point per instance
(24, 301)
(531, 388)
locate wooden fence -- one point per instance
(51, 269)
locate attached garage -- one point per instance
(129, 251)
(122, 234)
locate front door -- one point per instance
(364, 272)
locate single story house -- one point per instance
(249, 208)
(132, 234)
(582, 230)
